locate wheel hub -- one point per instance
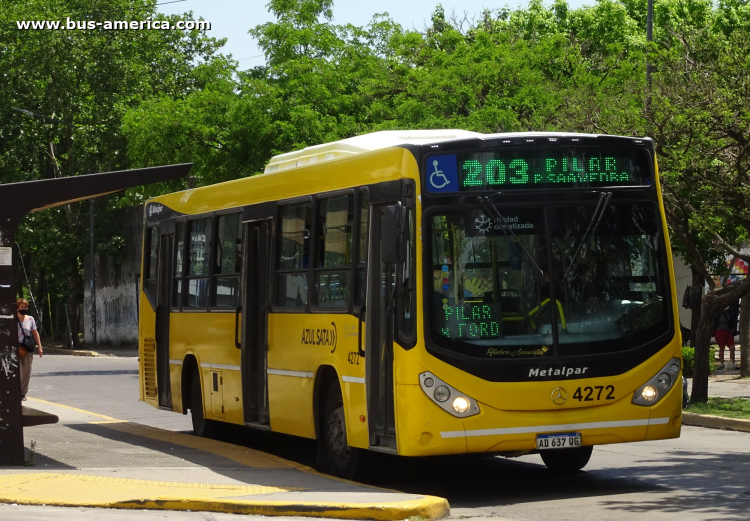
(337, 434)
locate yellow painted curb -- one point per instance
(48, 487)
(65, 489)
(715, 422)
(237, 453)
(427, 507)
(96, 491)
(105, 419)
(72, 352)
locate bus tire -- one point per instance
(345, 461)
(201, 426)
(567, 460)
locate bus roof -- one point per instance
(361, 144)
(387, 139)
(280, 176)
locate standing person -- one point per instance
(26, 327)
(725, 324)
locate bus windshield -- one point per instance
(533, 282)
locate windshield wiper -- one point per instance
(490, 209)
(596, 218)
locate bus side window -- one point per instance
(198, 264)
(407, 294)
(294, 256)
(334, 252)
(151, 267)
(363, 241)
(178, 265)
(225, 290)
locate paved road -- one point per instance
(32, 513)
(703, 475)
(104, 385)
(725, 385)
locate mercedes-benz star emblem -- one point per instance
(559, 396)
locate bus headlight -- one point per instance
(441, 393)
(460, 405)
(658, 386)
(648, 393)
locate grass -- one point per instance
(726, 407)
(30, 462)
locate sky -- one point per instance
(232, 19)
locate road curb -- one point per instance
(64, 490)
(269, 497)
(715, 422)
(427, 508)
(72, 352)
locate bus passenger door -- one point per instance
(379, 332)
(163, 382)
(255, 306)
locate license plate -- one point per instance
(564, 440)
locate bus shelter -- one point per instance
(17, 200)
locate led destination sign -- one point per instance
(540, 168)
(472, 321)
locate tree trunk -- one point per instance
(745, 337)
(701, 370)
(74, 286)
(696, 309)
(713, 303)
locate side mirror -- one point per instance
(392, 249)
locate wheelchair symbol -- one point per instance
(438, 173)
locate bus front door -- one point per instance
(163, 381)
(379, 331)
(255, 307)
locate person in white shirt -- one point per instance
(26, 327)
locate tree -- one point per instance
(696, 112)
(80, 82)
(700, 116)
(538, 68)
(311, 90)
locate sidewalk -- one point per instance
(130, 351)
(91, 460)
(725, 385)
(721, 385)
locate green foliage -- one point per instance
(688, 360)
(527, 69)
(81, 83)
(142, 98)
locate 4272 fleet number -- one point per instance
(596, 393)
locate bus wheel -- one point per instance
(567, 460)
(201, 426)
(342, 458)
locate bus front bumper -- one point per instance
(425, 429)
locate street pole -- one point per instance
(93, 274)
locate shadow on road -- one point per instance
(692, 482)
(684, 481)
(711, 486)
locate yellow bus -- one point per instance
(421, 293)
